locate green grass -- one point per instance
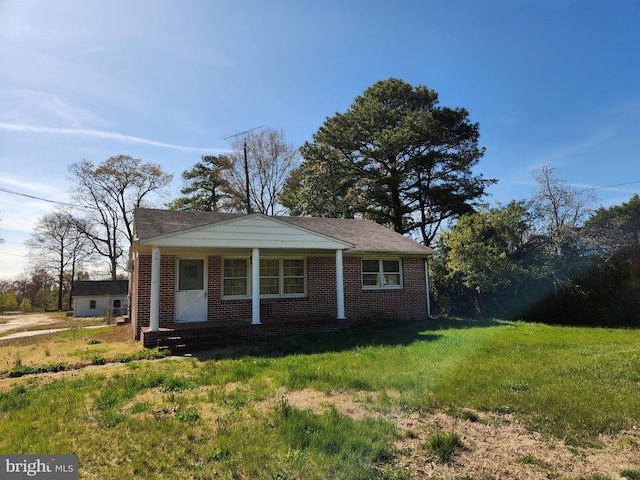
(226, 417)
(444, 445)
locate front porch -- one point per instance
(187, 337)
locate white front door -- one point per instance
(191, 294)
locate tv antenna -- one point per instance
(246, 165)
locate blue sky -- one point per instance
(549, 81)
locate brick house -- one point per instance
(199, 272)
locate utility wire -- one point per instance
(13, 254)
(617, 185)
(40, 198)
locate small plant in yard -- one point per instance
(217, 454)
(294, 455)
(533, 461)
(124, 358)
(93, 341)
(21, 370)
(98, 360)
(176, 384)
(630, 474)
(463, 414)
(411, 434)
(110, 418)
(17, 360)
(191, 415)
(444, 445)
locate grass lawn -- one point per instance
(79, 345)
(440, 399)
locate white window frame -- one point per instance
(281, 277)
(248, 277)
(380, 283)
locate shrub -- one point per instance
(97, 360)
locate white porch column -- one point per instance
(340, 285)
(255, 286)
(426, 281)
(154, 311)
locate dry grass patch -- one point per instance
(493, 445)
(74, 348)
(500, 447)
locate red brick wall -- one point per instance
(408, 303)
(320, 299)
(142, 304)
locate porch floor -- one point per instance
(186, 337)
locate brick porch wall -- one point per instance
(361, 306)
(142, 305)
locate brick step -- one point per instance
(193, 342)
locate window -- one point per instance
(190, 274)
(278, 277)
(92, 304)
(381, 273)
(116, 304)
(269, 276)
(293, 276)
(282, 277)
(235, 277)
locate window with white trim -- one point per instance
(294, 276)
(235, 277)
(279, 277)
(282, 277)
(381, 273)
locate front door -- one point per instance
(191, 295)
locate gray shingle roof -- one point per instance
(101, 287)
(367, 236)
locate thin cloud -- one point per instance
(115, 136)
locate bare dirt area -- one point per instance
(493, 446)
(40, 339)
(21, 322)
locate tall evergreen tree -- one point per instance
(206, 185)
(410, 159)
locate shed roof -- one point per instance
(100, 287)
(362, 235)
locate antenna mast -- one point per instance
(246, 165)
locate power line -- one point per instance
(617, 185)
(39, 198)
(13, 254)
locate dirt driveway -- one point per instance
(24, 322)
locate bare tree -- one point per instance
(110, 192)
(562, 208)
(269, 160)
(57, 245)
